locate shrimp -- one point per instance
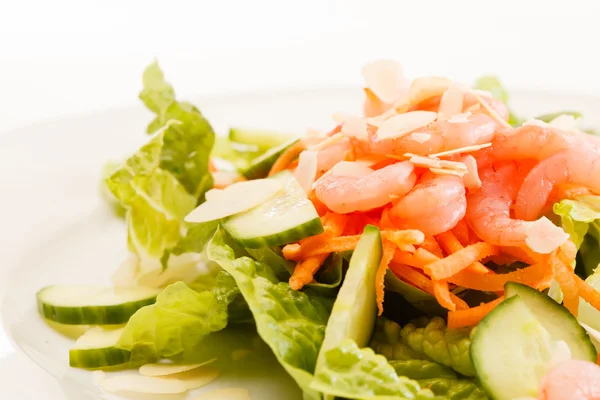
(579, 166)
(573, 380)
(438, 136)
(435, 205)
(329, 156)
(346, 194)
(488, 214)
(532, 141)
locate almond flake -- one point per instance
(435, 163)
(369, 161)
(427, 87)
(355, 127)
(471, 178)
(306, 172)
(420, 137)
(226, 394)
(442, 171)
(489, 109)
(331, 140)
(403, 124)
(163, 369)
(461, 150)
(483, 93)
(350, 169)
(386, 79)
(451, 102)
(543, 237)
(460, 118)
(143, 384)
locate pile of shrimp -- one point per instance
(451, 185)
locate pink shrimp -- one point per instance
(488, 213)
(435, 205)
(439, 136)
(532, 141)
(329, 156)
(573, 380)
(345, 194)
(579, 166)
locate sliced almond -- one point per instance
(386, 79)
(403, 124)
(451, 102)
(471, 178)
(196, 378)
(226, 394)
(350, 169)
(461, 150)
(428, 162)
(223, 179)
(427, 87)
(162, 369)
(143, 384)
(543, 237)
(490, 110)
(460, 118)
(212, 193)
(331, 140)
(307, 169)
(355, 127)
(443, 171)
(234, 199)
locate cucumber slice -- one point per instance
(92, 305)
(287, 217)
(556, 319)
(354, 311)
(263, 139)
(517, 343)
(96, 349)
(261, 165)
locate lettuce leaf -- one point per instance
(422, 369)
(292, 323)
(454, 389)
(355, 373)
(178, 321)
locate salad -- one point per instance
(436, 247)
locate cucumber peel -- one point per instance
(97, 349)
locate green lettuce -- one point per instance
(351, 372)
(493, 85)
(454, 389)
(587, 313)
(178, 321)
(422, 369)
(292, 323)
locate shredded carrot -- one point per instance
(461, 231)
(472, 316)
(403, 257)
(407, 236)
(566, 281)
(306, 270)
(522, 254)
(432, 246)
(451, 244)
(444, 297)
(409, 248)
(460, 260)
(287, 157)
(588, 293)
(292, 251)
(386, 257)
(386, 222)
(413, 277)
(531, 276)
(319, 206)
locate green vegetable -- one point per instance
(551, 116)
(388, 342)
(454, 389)
(493, 85)
(262, 139)
(178, 321)
(587, 313)
(422, 369)
(419, 299)
(107, 171)
(96, 349)
(292, 323)
(157, 94)
(350, 372)
(261, 165)
(239, 156)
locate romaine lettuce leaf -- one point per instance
(178, 321)
(422, 369)
(355, 373)
(454, 389)
(292, 323)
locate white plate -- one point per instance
(56, 229)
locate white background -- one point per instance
(64, 57)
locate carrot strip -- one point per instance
(587, 292)
(450, 244)
(461, 231)
(407, 247)
(413, 277)
(432, 246)
(472, 316)
(460, 260)
(566, 281)
(287, 157)
(407, 236)
(386, 222)
(292, 251)
(522, 254)
(444, 297)
(305, 271)
(319, 206)
(403, 257)
(531, 276)
(386, 257)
